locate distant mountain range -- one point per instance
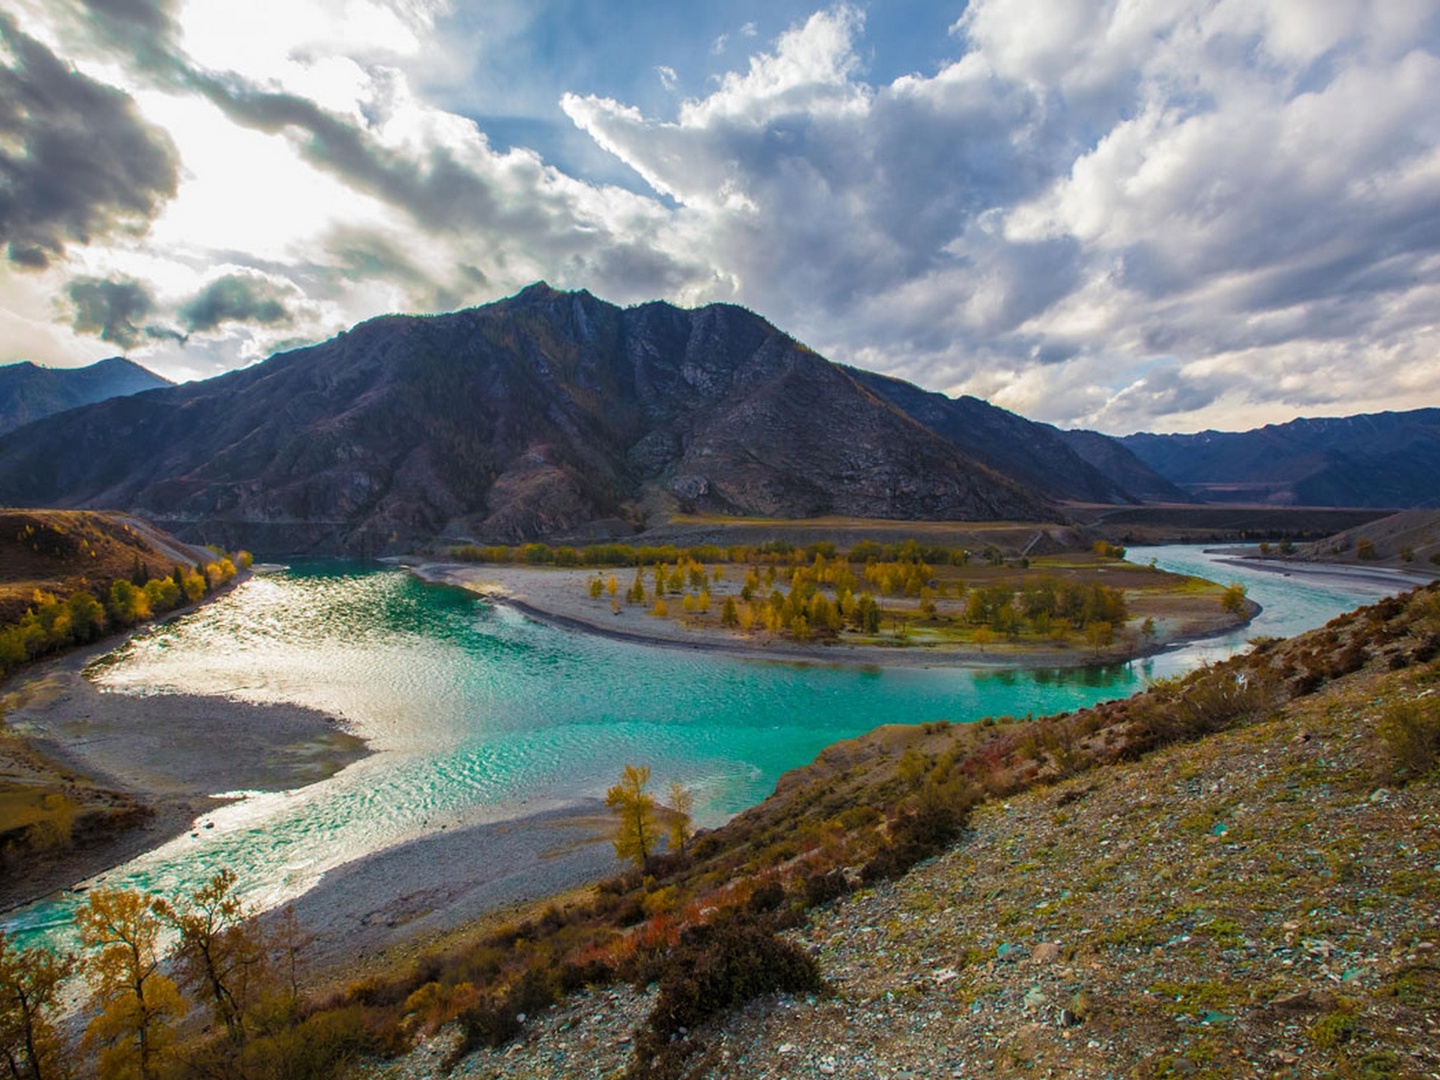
(1389, 459)
(29, 392)
(556, 415)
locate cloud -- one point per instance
(1095, 212)
(77, 162)
(1126, 193)
(113, 311)
(242, 298)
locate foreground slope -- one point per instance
(29, 392)
(1233, 875)
(547, 414)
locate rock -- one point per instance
(1300, 1001)
(1047, 952)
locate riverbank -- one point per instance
(166, 757)
(381, 911)
(560, 598)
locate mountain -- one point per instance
(1376, 460)
(548, 414)
(1121, 467)
(1038, 455)
(29, 392)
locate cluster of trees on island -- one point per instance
(52, 623)
(829, 594)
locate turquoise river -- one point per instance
(477, 714)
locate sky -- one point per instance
(1162, 215)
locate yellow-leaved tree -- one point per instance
(634, 811)
(221, 951)
(681, 803)
(135, 1029)
(29, 985)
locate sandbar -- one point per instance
(172, 752)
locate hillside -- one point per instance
(1379, 460)
(59, 551)
(1234, 873)
(29, 392)
(1117, 463)
(1410, 538)
(1035, 454)
(546, 414)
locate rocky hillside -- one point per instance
(29, 392)
(1379, 459)
(1117, 463)
(546, 414)
(1237, 873)
(1035, 454)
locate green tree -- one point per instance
(1233, 598)
(30, 982)
(729, 613)
(634, 811)
(140, 1004)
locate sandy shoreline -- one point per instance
(1381, 577)
(171, 752)
(403, 898)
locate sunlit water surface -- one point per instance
(475, 713)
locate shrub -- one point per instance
(712, 969)
(1410, 734)
(822, 888)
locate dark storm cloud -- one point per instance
(235, 298)
(76, 160)
(111, 310)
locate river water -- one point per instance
(478, 714)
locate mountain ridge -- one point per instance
(544, 414)
(30, 392)
(1385, 459)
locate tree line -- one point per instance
(52, 623)
(223, 961)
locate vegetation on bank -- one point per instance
(702, 919)
(67, 578)
(893, 594)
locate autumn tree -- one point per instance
(222, 956)
(1099, 635)
(634, 810)
(139, 1003)
(682, 802)
(1233, 598)
(30, 982)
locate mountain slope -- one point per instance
(545, 414)
(29, 392)
(1036, 454)
(1118, 463)
(1376, 459)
